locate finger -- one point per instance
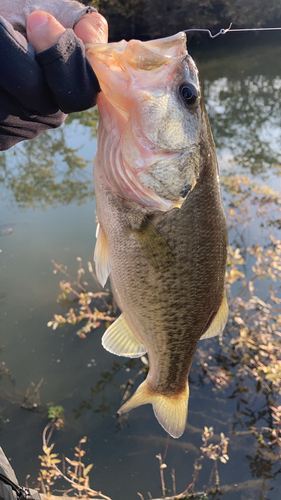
(92, 28)
(43, 30)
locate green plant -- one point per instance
(56, 414)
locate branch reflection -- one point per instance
(48, 171)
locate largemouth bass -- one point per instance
(162, 234)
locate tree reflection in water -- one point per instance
(47, 171)
(244, 105)
(245, 118)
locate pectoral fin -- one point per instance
(154, 244)
(101, 256)
(119, 339)
(219, 321)
(170, 411)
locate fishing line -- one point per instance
(227, 30)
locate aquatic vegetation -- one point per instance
(216, 452)
(248, 360)
(31, 400)
(56, 414)
(75, 292)
(74, 471)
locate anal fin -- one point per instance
(101, 256)
(217, 325)
(119, 339)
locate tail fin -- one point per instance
(171, 412)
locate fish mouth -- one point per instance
(171, 46)
(114, 59)
(153, 54)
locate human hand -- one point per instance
(61, 56)
(43, 30)
(37, 90)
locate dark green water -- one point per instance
(46, 198)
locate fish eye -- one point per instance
(188, 93)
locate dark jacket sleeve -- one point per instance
(27, 106)
(30, 101)
(73, 82)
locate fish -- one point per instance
(162, 233)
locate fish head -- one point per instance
(150, 119)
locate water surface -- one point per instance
(47, 201)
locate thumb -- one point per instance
(43, 30)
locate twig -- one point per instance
(166, 447)
(38, 386)
(60, 268)
(185, 496)
(42, 484)
(174, 481)
(50, 427)
(162, 467)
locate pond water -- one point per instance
(47, 212)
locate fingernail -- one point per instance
(36, 20)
